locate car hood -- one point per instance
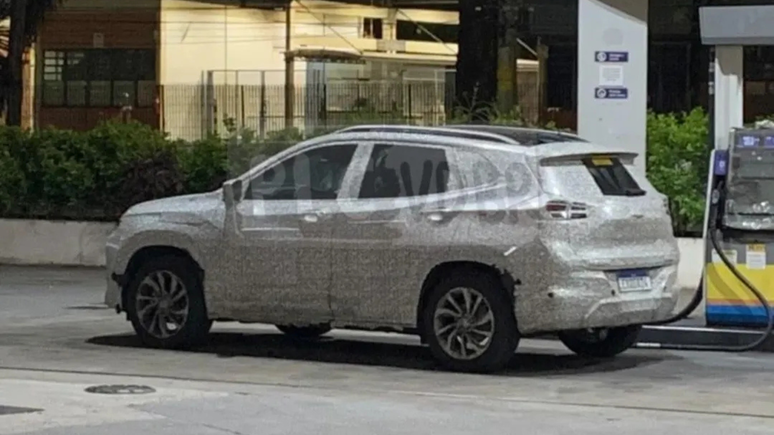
(196, 204)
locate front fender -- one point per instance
(155, 238)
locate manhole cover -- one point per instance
(7, 410)
(120, 389)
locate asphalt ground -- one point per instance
(58, 340)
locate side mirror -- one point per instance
(232, 192)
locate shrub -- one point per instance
(677, 164)
(97, 175)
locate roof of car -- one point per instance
(488, 133)
(523, 135)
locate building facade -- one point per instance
(95, 57)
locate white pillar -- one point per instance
(729, 92)
(613, 74)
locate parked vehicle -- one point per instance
(470, 237)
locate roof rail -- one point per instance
(435, 131)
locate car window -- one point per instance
(396, 171)
(314, 174)
(478, 169)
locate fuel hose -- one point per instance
(712, 231)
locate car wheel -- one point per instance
(601, 343)
(469, 323)
(165, 303)
(304, 332)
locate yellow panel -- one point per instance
(601, 161)
(724, 287)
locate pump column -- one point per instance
(613, 74)
(729, 93)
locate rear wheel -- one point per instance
(469, 323)
(305, 332)
(165, 303)
(601, 343)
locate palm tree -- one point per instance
(25, 16)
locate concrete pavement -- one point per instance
(57, 341)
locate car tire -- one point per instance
(449, 335)
(614, 341)
(174, 284)
(304, 332)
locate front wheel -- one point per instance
(469, 323)
(165, 303)
(601, 343)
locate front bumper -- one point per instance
(591, 299)
(113, 284)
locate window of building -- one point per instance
(372, 28)
(99, 78)
(396, 171)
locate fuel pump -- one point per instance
(738, 276)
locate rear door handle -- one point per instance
(436, 215)
(313, 217)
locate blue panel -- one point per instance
(610, 93)
(721, 163)
(735, 315)
(633, 273)
(612, 56)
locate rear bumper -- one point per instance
(591, 299)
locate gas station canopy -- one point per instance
(737, 25)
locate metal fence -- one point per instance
(192, 112)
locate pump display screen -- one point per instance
(750, 181)
(748, 141)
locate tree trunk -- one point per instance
(15, 81)
(476, 76)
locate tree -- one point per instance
(26, 16)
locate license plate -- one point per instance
(634, 281)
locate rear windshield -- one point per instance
(589, 177)
(612, 177)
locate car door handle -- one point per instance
(437, 215)
(313, 217)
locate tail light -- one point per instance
(566, 210)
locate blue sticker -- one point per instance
(612, 56)
(721, 162)
(768, 141)
(606, 93)
(748, 141)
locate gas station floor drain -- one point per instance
(120, 389)
(8, 410)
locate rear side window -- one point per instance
(612, 177)
(478, 170)
(396, 171)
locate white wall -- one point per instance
(197, 37)
(30, 242)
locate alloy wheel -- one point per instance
(464, 323)
(162, 304)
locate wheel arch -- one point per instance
(147, 253)
(436, 274)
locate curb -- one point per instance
(655, 337)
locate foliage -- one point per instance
(677, 164)
(59, 174)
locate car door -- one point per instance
(389, 231)
(284, 227)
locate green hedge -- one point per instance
(97, 175)
(678, 161)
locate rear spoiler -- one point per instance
(600, 158)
